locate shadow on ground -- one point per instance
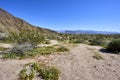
(108, 52)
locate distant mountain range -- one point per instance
(86, 32)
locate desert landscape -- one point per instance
(76, 64)
(79, 40)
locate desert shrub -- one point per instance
(50, 73)
(26, 76)
(15, 56)
(10, 56)
(18, 51)
(77, 41)
(97, 56)
(62, 49)
(2, 48)
(23, 75)
(99, 42)
(22, 53)
(43, 50)
(23, 42)
(114, 46)
(23, 37)
(47, 42)
(40, 70)
(21, 48)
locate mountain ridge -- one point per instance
(10, 23)
(86, 32)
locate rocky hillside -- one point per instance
(10, 23)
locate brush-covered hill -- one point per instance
(10, 23)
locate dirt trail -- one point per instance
(80, 65)
(9, 69)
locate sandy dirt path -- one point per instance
(80, 65)
(9, 69)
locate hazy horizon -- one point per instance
(97, 15)
(90, 31)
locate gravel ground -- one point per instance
(9, 69)
(78, 64)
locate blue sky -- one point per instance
(100, 15)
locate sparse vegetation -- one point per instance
(91, 39)
(98, 56)
(10, 56)
(77, 40)
(33, 70)
(2, 48)
(97, 42)
(30, 53)
(41, 51)
(30, 37)
(34, 52)
(62, 49)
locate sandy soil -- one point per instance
(9, 69)
(78, 64)
(52, 42)
(5, 45)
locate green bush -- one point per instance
(99, 42)
(2, 48)
(10, 56)
(42, 50)
(77, 41)
(97, 56)
(50, 73)
(19, 53)
(41, 71)
(114, 46)
(23, 42)
(62, 49)
(23, 74)
(24, 36)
